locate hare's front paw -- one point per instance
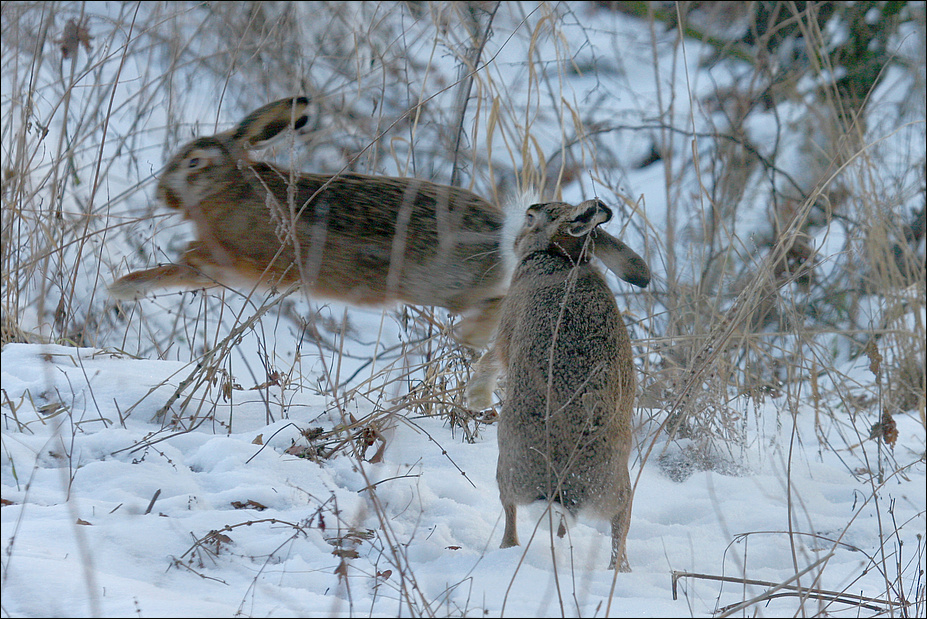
(131, 287)
(138, 284)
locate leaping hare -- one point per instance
(351, 237)
(565, 425)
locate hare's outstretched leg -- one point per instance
(478, 324)
(483, 380)
(187, 274)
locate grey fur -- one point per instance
(565, 425)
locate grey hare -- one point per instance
(367, 240)
(565, 424)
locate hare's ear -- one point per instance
(265, 123)
(586, 216)
(621, 259)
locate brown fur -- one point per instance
(369, 240)
(356, 238)
(565, 424)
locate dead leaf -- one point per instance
(875, 357)
(217, 537)
(302, 451)
(345, 553)
(885, 429)
(312, 433)
(249, 504)
(73, 36)
(342, 570)
(52, 408)
(273, 380)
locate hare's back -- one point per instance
(379, 206)
(401, 239)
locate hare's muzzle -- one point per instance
(168, 196)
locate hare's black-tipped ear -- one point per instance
(586, 216)
(621, 259)
(265, 123)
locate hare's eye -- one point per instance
(194, 162)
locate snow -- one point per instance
(79, 541)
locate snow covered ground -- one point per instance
(82, 461)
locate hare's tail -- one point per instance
(515, 207)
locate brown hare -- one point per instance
(565, 424)
(367, 240)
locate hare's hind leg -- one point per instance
(619, 543)
(478, 324)
(510, 535)
(621, 521)
(483, 380)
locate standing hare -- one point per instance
(361, 239)
(565, 424)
